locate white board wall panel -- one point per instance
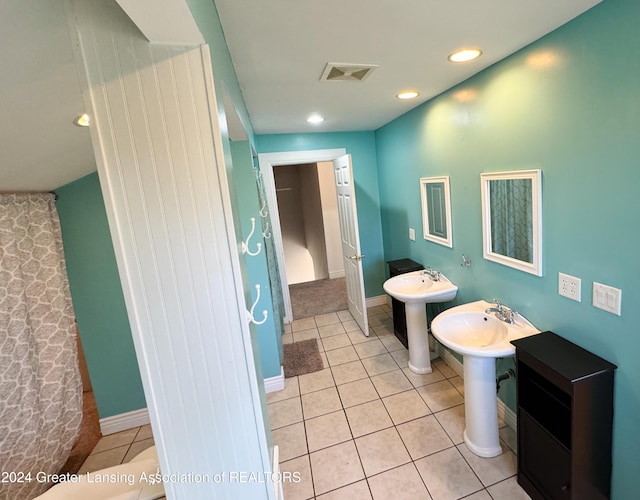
(162, 173)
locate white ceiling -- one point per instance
(40, 148)
(279, 49)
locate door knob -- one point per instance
(357, 257)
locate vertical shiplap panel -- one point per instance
(245, 357)
(196, 139)
(160, 164)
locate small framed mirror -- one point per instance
(436, 210)
(512, 219)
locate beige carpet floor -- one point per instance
(314, 298)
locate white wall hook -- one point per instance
(245, 244)
(263, 211)
(266, 233)
(250, 316)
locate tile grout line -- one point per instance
(344, 411)
(393, 424)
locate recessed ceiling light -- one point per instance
(82, 120)
(315, 118)
(408, 94)
(465, 55)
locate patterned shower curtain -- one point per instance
(272, 261)
(40, 386)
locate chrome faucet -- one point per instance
(502, 312)
(434, 275)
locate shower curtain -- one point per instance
(272, 261)
(40, 386)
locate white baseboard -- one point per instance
(336, 274)
(124, 421)
(504, 412)
(508, 415)
(273, 384)
(380, 300)
(277, 477)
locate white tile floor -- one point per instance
(118, 448)
(366, 427)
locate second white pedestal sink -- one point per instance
(416, 289)
(481, 338)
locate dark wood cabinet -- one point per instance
(565, 417)
(396, 267)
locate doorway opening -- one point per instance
(310, 229)
(348, 224)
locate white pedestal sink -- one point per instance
(480, 338)
(416, 289)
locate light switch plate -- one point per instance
(412, 234)
(607, 298)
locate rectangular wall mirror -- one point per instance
(512, 220)
(436, 210)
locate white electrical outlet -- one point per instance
(412, 234)
(607, 298)
(569, 286)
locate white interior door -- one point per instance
(268, 161)
(345, 191)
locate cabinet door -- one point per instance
(545, 463)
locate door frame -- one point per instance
(266, 162)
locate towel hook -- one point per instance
(263, 211)
(250, 314)
(245, 244)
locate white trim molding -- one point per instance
(504, 412)
(273, 384)
(378, 300)
(535, 177)
(124, 421)
(277, 482)
(267, 161)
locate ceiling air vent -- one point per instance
(344, 72)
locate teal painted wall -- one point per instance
(361, 147)
(267, 334)
(97, 298)
(569, 105)
(206, 16)
(243, 192)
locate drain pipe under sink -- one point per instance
(506, 375)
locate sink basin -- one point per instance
(416, 287)
(469, 330)
(481, 338)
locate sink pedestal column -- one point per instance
(418, 338)
(481, 406)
